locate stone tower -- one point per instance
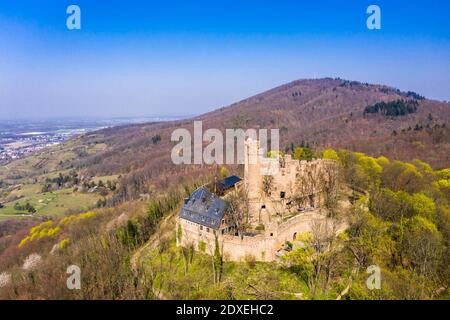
(252, 170)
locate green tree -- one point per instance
(424, 206)
(217, 261)
(330, 154)
(303, 153)
(423, 246)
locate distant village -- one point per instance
(17, 146)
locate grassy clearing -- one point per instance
(24, 180)
(53, 203)
(45, 162)
(92, 149)
(26, 190)
(20, 171)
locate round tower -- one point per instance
(252, 170)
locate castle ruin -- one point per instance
(275, 208)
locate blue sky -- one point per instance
(141, 58)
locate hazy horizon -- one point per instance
(92, 118)
(88, 117)
(179, 59)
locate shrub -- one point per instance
(32, 262)
(202, 246)
(64, 243)
(330, 154)
(260, 227)
(24, 241)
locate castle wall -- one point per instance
(287, 180)
(285, 184)
(262, 247)
(192, 233)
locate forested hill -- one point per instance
(374, 119)
(76, 203)
(322, 113)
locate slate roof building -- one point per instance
(228, 183)
(203, 214)
(204, 208)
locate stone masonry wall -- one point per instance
(262, 247)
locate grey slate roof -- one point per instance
(204, 208)
(229, 182)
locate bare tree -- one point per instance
(306, 184)
(323, 243)
(267, 185)
(238, 210)
(328, 180)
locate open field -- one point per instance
(22, 181)
(48, 162)
(53, 203)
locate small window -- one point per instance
(263, 206)
(271, 234)
(282, 194)
(207, 229)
